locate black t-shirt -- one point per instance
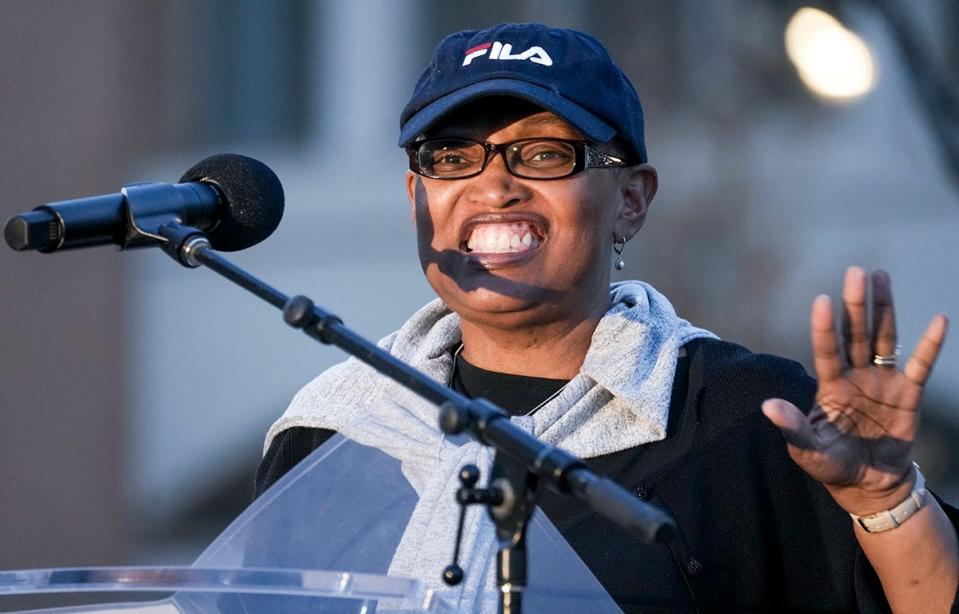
(639, 576)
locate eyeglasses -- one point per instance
(539, 158)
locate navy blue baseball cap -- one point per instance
(564, 71)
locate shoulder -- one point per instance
(322, 403)
(732, 381)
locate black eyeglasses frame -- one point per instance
(586, 156)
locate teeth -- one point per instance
(502, 238)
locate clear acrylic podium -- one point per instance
(320, 540)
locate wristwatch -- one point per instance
(890, 519)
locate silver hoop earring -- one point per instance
(618, 245)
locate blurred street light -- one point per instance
(832, 61)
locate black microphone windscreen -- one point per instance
(252, 194)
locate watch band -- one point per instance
(890, 519)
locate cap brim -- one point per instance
(590, 125)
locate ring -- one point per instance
(887, 361)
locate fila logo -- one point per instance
(504, 51)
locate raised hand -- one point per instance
(857, 439)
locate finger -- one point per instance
(854, 332)
(924, 357)
(795, 426)
(883, 315)
(825, 350)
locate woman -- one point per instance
(527, 165)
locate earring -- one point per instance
(618, 245)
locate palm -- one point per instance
(861, 422)
(857, 439)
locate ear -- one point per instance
(638, 187)
(411, 186)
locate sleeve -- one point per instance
(816, 554)
(288, 448)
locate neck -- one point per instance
(553, 350)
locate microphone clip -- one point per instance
(147, 210)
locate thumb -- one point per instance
(794, 424)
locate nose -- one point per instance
(496, 187)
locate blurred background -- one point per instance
(790, 142)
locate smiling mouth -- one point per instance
(502, 238)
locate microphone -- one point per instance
(237, 201)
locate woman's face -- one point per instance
(508, 252)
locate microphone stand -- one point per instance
(510, 496)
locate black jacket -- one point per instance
(756, 533)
